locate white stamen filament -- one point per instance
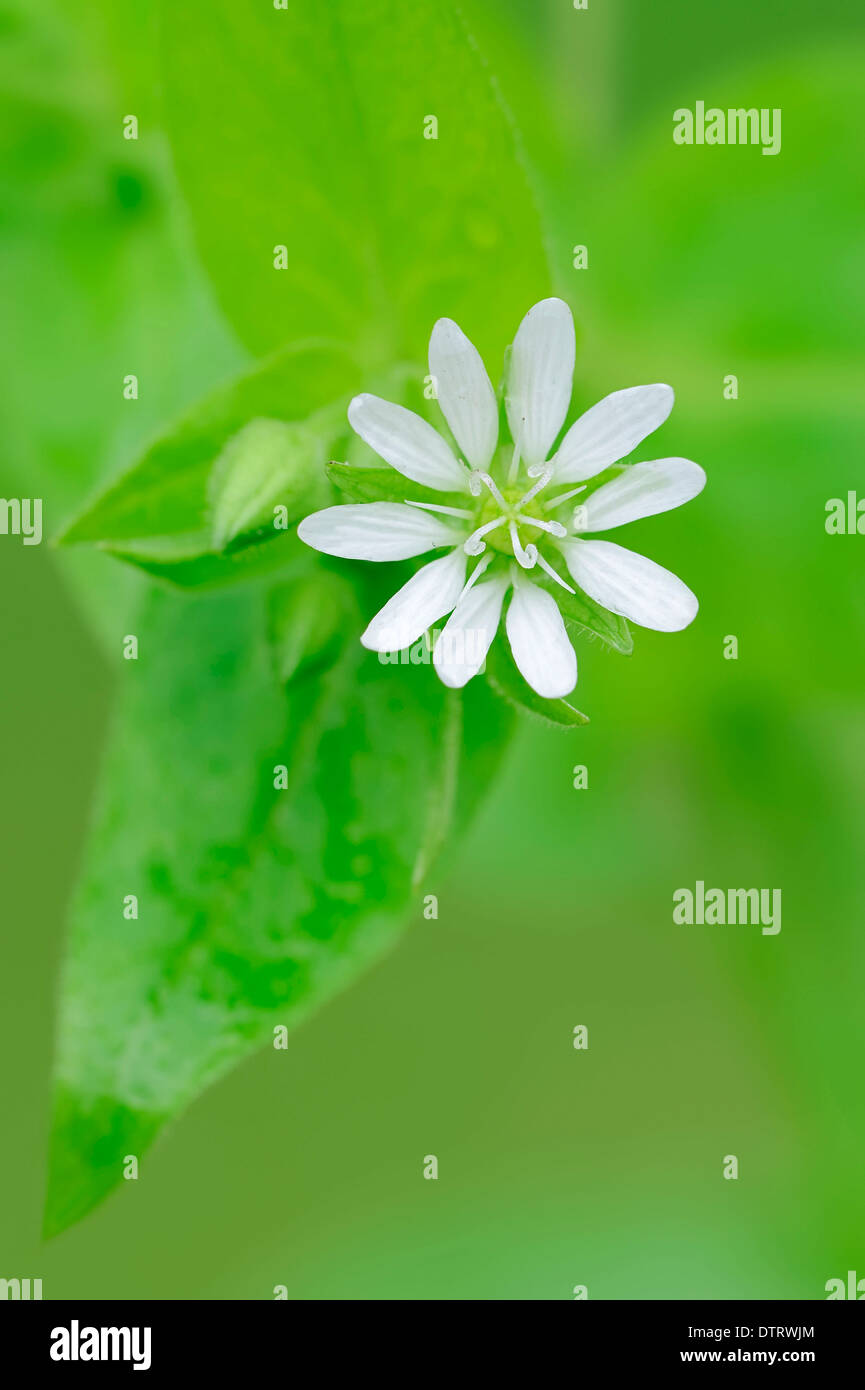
(554, 501)
(475, 575)
(555, 528)
(493, 488)
(474, 545)
(533, 491)
(545, 565)
(439, 507)
(526, 557)
(515, 465)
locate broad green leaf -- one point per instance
(583, 616)
(267, 464)
(254, 902)
(165, 492)
(506, 680)
(589, 617)
(386, 484)
(307, 622)
(304, 128)
(375, 484)
(189, 561)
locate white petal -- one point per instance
(407, 443)
(540, 378)
(540, 643)
(462, 647)
(642, 490)
(464, 393)
(610, 430)
(630, 585)
(375, 531)
(426, 597)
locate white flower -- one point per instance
(508, 521)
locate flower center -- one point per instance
(491, 510)
(502, 513)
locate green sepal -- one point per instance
(506, 680)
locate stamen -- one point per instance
(545, 565)
(554, 501)
(533, 491)
(526, 557)
(475, 575)
(438, 507)
(515, 464)
(555, 528)
(474, 545)
(493, 488)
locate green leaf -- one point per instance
(374, 484)
(267, 464)
(586, 616)
(189, 562)
(321, 150)
(583, 616)
(386, 485)
(165, 492)
(255, 903)
(506, 680)
(307, 620)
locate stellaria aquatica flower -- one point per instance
(512, 527)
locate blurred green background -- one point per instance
(557, 1167)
